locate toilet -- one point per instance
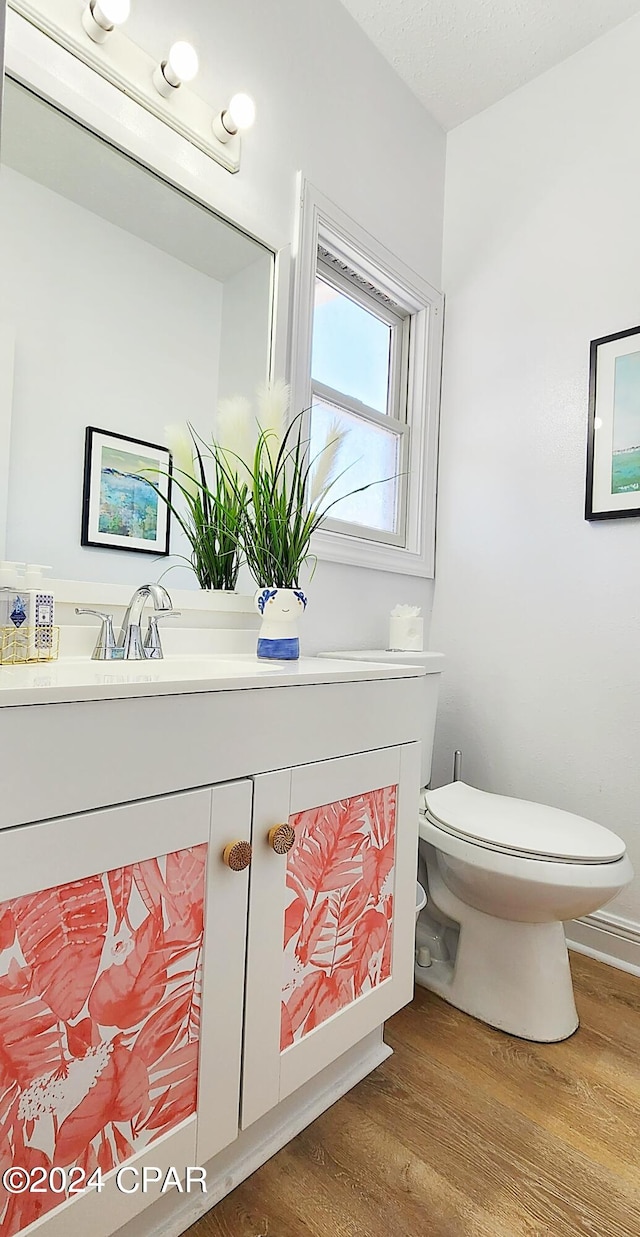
(502, 875)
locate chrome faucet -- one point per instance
(130, 645)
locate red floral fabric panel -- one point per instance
(100, 983)
(339, 916)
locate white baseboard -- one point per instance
(609, 938)
(174, 1213)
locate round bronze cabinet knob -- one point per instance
(281, 838)
(237, 855)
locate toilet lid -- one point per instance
(521, 827)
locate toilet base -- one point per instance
(514, 976)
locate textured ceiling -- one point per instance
(459, 56)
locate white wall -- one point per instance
(539, 611)
(109, 332)
(329, 104)
(6, 403)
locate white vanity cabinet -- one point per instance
(158, 1007)
(122, 950)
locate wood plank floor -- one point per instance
(466, 1132)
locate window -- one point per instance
(359, 352)
(366, 358)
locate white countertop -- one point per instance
(73, 679)
(430, 661)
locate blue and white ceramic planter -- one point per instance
(280, 609)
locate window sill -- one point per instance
(358, 552)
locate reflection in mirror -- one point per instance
(132, 308)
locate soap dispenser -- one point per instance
(41, 613)
(14, 613)
(15, 604)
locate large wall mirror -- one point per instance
(125, 305)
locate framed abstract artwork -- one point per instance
(613, 449)
(127, 488)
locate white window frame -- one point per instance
(322, 223)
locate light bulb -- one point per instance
(180, 66)
(115, 11)
(240, 114)
(183, 60)
(100, 17)
(242, 111)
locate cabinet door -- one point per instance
(121, 987)
(331, 922)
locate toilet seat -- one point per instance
(520, 828)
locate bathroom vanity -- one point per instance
(161, 1003)
(207, 864)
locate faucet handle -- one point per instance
(152, 642)
(106, 642)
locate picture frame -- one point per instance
(613, 444)
(121, 510)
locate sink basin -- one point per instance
(172, 668)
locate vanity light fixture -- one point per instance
(161, 89)
(101, 16)
(240, 114)
(180, 66)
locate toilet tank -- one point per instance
(434, 665)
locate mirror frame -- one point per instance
(35, 61)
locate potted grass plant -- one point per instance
(212, 508)
(287, 494)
